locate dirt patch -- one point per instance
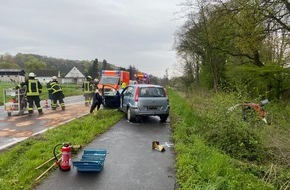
(14, 133)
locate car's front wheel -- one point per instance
(163, 118)
(129, 115)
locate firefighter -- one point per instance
(33, 90)
(95, 89)
(123, 85)
(96, 83)
(55, 90)
(97, 101)
(88, 89)
(50, 96)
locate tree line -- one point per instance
(32, 62)
(235, 45)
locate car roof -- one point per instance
(146, 85)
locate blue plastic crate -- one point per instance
(92, 160)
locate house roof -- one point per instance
(46, 73)
(74, 73)
(12, 71)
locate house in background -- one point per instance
(15, 74)
(74, 76)
(45, 75)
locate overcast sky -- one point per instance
(124, 32)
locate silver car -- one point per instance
(144, 100)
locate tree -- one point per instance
(132, 70)
(197, 47)
(32, 64)
(94, 70)
(7, 62)
(235, 32)
(105, 64)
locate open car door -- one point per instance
(111, 97)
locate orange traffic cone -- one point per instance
(46, 104)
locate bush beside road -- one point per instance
(217, 149)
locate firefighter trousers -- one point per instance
(58, 96)
(34, 100)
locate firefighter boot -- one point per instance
(63, 108)
(53, 107)
(30, 112)
(40, 112)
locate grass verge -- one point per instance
(198, 165)
(18, 163)
(68, 90)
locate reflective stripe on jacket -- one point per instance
(88, 87)
(33, 87)
(53, 87)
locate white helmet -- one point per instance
(54, 78)
(31, 75)
(96, 80)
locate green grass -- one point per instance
(68, 90)
(4, 86)
(213, 147)
(18, 163)
(199, 165)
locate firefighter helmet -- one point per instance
(89, 78)
(31, 75)
(96, 80)
(54, 78)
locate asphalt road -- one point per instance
(130, 164)
(17, 128)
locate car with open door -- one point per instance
(111, 97)
(138, 100)
(145, 100)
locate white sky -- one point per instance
(124, 32)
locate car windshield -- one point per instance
(109, 80)
(151, 92)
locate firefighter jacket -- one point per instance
(123, 85)
(88, 87)
(53, 87)
(33, 87)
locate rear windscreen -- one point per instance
(151, 92)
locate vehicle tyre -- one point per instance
(138, 119)
(163, 118)
(129, 116)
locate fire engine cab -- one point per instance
(114, 78)
(142, 78)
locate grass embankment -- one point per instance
(216, 149)
(18, 163)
